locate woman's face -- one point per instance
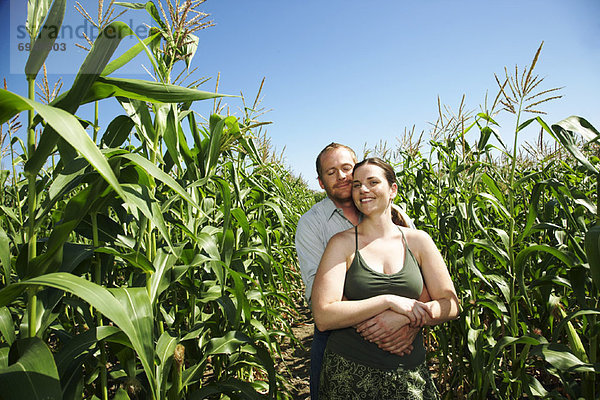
(371, 191)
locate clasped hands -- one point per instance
(395, 329)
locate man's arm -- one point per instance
(390, 330)
(309, 248)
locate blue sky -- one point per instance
(359, 72)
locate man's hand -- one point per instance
(390, 331)
(400, 342)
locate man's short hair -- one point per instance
(333, 146)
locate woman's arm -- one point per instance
(391, 331)
(444, 304)
(329, 309)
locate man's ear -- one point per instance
(320, 182)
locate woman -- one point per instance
(372, 268)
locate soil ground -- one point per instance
(296, 356)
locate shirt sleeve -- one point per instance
(310, 249)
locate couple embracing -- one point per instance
(372, 282)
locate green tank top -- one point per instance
(362, 282)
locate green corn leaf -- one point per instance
(207, 243)
(216, 127)
(259, 326)
(96, 60)
(266, 361)
(36, 13)
(74, 353)
(581, 126)
(148, 6)
(134, 259)
(189, 48)
(260, 228)
(491, 247)
(117, 131)
(108, 230)
(102, 50)
(165, 348)
(567, 139)
(561, 358)
(140, 198)
(567, 318)
(153, 92)
(136, 304)
(5, 256)
(484, 137)
(138, 112)
(74, 254)
(121, 394)
(474, 344)
(228, 344)
(31, 374)
(66, 181)
(4, 356)
(494, 305)
(577, 281)
(7, 326)
(239, 291)
(130, 54)
(69, 356)
(66, 126)
(532, 211)
(242, 219)
(127, 308)
(508, 341)
(503, 285)
(592, 251)
(491, 185)
(233, 387)
(525, 124)
(10, 214)
(497, 203)
(227, 246)
(159, 174)
(486, 117)
(46, 38)
(161, 277)
(523, 256)
(225, 192)
(534, 387)
(171, 135)
(52, 259)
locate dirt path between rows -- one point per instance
(296, 356)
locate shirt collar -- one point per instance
(329, 208)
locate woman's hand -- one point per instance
(416, 311)
(382, 325)
(390, 331)
(400, 342)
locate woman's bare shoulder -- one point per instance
(343, 237)
(416, 238)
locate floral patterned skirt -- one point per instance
(348, 380)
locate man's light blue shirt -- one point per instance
(314, 230)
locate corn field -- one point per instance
(153, 258)
(519, 229)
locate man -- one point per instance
(334, 214)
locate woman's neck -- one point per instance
(378, 225)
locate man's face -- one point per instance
(336, 175)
